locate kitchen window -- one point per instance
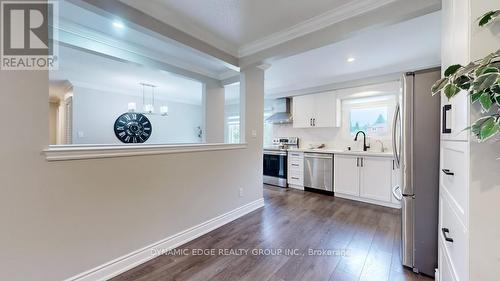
(369, 114)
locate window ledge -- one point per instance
(79, 152)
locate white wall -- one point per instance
(95, 113)
(485, 168)
(62, 218)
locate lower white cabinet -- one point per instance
(367, 179)
(346, 174)
(295, 170)
(375, 178)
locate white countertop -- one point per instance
(343, 152)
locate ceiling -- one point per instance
(406, 46)
(81, 68)
(84, 24)
(233, 25)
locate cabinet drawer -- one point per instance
(296, 155)
(457, 250)
(454, 176)
(296, 178)
(296, 164)
(445, 270)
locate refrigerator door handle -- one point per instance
(397, 194)
(394, 134)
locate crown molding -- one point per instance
(228, 74)
(316, 23)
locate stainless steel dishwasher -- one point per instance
(318, 171)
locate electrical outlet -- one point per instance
(241, 192)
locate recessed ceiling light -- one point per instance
(118, 24)
(351, 59)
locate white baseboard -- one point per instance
(367, 200)
(129, 261)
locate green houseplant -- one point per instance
(481, 79)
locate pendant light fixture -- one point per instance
(148, 103)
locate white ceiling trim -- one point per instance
(316, 23)
(228, 74)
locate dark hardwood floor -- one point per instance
(363, 240)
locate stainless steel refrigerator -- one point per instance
(416, 152)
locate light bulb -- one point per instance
(164, 110)
(132, 107)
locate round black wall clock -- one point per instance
(133, 128)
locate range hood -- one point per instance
(281, 112)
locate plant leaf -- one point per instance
(466, 70)
(485, 100)
(452, 69)
(463, 82)
(495, 89)
(489, 128)
(439, 85)
(489, 69)
(475, 96)
(488, 17)
(487, 60)
(497, 99)
(485, 81)
(450, 90)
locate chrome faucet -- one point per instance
(365, 147)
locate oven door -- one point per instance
(275, 164)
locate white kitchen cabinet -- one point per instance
(454, 262)
(315, 111)
(303, 106)
(454, 117)
(455, 49)
(346, 174)
(376, 174)
(296, 170)
(366, 179)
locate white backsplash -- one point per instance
(331, 137)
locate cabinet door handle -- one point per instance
(296, 165)
(446, 108)
(294, 178)
(362, 161)
(447, 171)
(445, 231)
(314, 122)
(357, 161)
(310, 122)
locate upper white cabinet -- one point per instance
(318, 110)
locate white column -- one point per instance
(252, 120)
(214, 114)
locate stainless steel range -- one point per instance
(275, 160)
